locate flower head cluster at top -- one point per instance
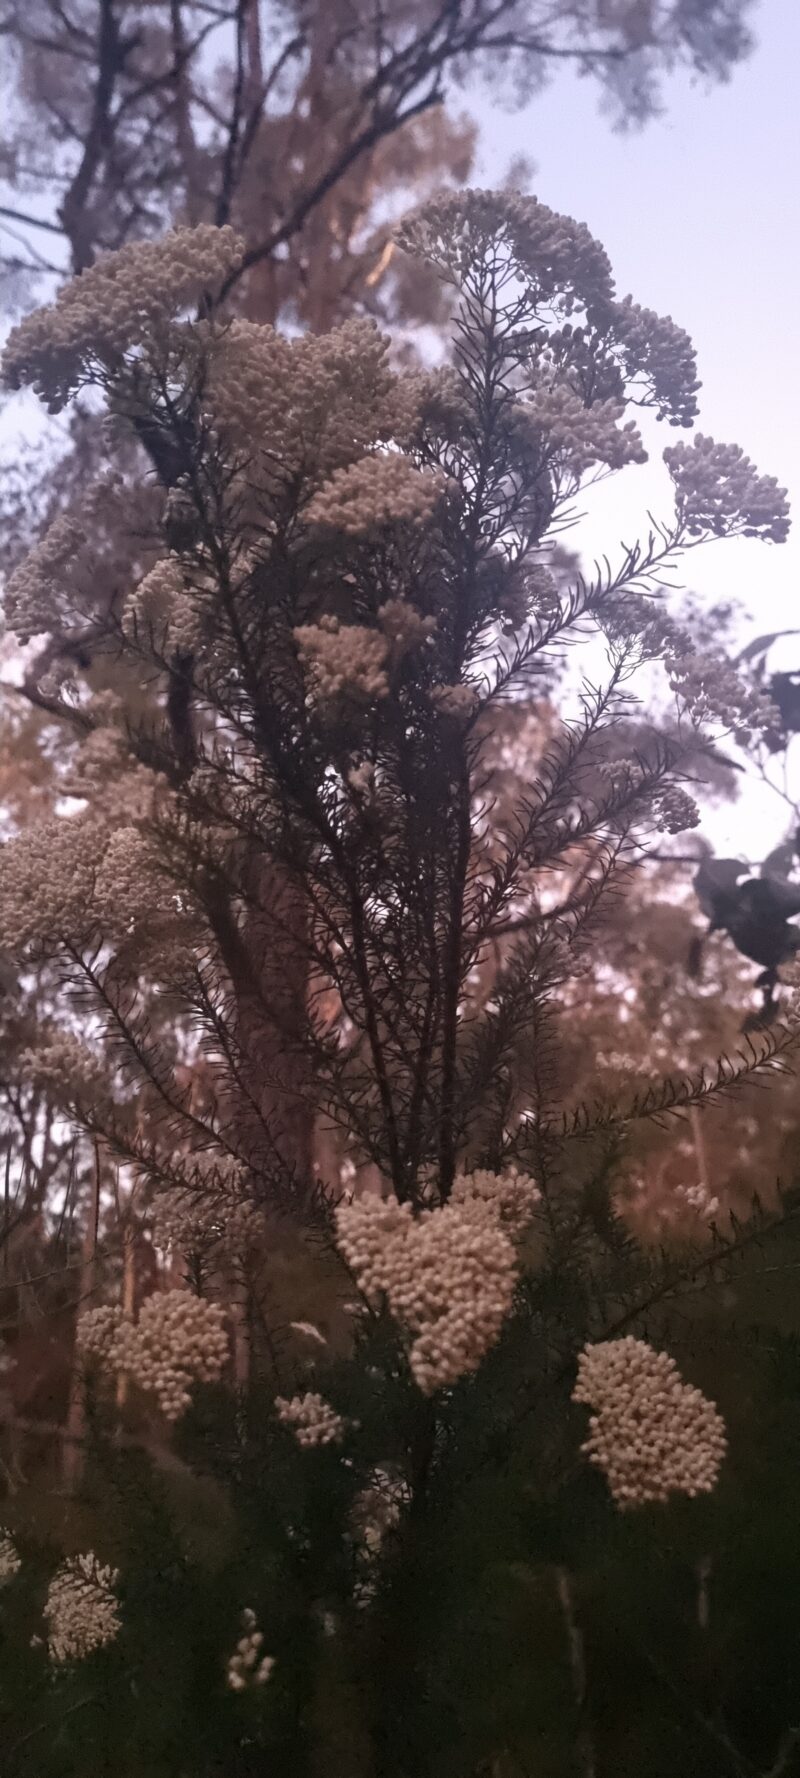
(563, 271)
(448, 1275)
(179, 1339)
(651, 1434)
(81, 1609)
(119, 302)
(247, 1666)
(311, 1418)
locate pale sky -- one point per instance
(699, 214)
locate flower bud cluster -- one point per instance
(162, 613)
(81, 1609)
(558, 258)
(10, 1562)
(674, 810)
(710, 688)
(578, 436)
(47, 881)
(718, 489)
(318, 402)
(562, 269)
(376, 491)
(458, 702)
(342, 661)
(512, 1196)
(119, 302)
(312, 1419)
(215, 1215)
(65, 1068)
(247, 1666)
(651, 1434)
(179, 1339)
(404, 626)
(448, 1277)
(33, 589)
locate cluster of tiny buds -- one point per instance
(674, 810)
(374, 492)
(458, 702)
(10, 1562)
(448, 1275)
(342, 661)
(311, 1418)
(81, 1609)
(651, 1433)
(512, 1196)
(718, 490)
(247, 1666)
(711, 690)
(179, 1338)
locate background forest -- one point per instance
(390, 1073)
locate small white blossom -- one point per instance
(81, 1609)
(312, 1419)
(247, 1666)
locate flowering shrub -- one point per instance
(274, 910)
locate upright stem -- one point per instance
(87, 1279)
(577, 1662)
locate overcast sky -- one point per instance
(699, 214)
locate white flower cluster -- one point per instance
(31, 600)
(511, 1196)
(132, 890)
(377, 1509)
(10, 1563)
(404, 626)
(47, 881)
(557, 256)
(311, 1418)
(179, 1339)
(119, 302)
(651, 1434)
(711, 690)
(458, 702)
(576, 435)
(562, 269)
(65, 1068)
(342, 661)
(318, 402)
(376, 491)
(247, 1666)
(448, 1277)
(674, 810)
(81, 1609)
(718, 489)
(160, 612)
(215, 1214)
